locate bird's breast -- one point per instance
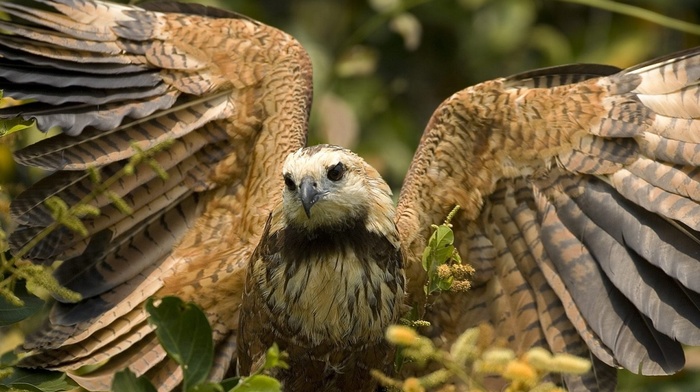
(340, 292)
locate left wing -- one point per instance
(231, 94)
(579, 194)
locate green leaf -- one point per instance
(10, 313)
(14, 125)
(445, 284)
(8, 358)
(126, 381)
(445, 236)
(427, 257)
(207, 387)
(229, 383)
(258, 383)
(38, 380)
(455, 256)
(274, 358)
(444, 254)
(185, 334)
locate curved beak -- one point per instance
(309, 194)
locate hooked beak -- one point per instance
(309, 194)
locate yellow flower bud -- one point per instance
(519, 370)
(401, 335)
(547, 387)
(460, 286)
(486, 336)
(483, 367)
(444, 272)
(412, 384)
(462, 271)
(464, 348)
(540, 358)
(421, 323)
(498, 355)
(567, 363)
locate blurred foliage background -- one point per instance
(382, 67)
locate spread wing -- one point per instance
(231, 94)
(579, 189)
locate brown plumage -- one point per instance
(327, 277)
(578, 186)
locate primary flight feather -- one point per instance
(578, 187)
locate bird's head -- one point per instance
(330, 187)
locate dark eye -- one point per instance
(336, 172)
(289, 183)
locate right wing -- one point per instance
(233, 97)
(579, 193)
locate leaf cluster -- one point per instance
(39, 279)
(25, 287)
(442, 262)
(184, 332)
(10, 126)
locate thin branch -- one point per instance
(641, 13)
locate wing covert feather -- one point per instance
(582, 175)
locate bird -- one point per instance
(578, 188)
(326, 279)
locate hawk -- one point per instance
(327, 278)
(578, 185)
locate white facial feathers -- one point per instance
(329, 186)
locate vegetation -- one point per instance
(475, 356)
(381, 67)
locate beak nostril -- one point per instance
(309, 194)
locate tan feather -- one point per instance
(487, 136)
(64, 24)
(217, 100)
